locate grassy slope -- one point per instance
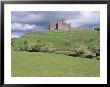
(61, 40)
(50, 64)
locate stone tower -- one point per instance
(60, 25)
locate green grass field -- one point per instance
(60, 40)
(52, 64)
(49, 64)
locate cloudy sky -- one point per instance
(29, 21)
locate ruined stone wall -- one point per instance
(60, 25)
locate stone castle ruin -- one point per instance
(59, 25)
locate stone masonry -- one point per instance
(60, 25)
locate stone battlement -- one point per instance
(60, 25)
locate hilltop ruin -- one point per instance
(59, 25)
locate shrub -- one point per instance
(95, 49)
(43, 49)
(19, 48)
(12, 43)
(78, 50)
(98, 57)
(48, 48)
(98, 29)
(82, 50)
(34, 47)
(89, 54)
(25, 42)
(22, 46)
(29, 48)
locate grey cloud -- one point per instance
(41, 16)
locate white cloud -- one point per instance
(86, 18)
(16, 26)
(15, 35)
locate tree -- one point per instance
(98, 29)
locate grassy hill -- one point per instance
(60, 40)
(56, 63)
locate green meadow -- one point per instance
(53, 54)
(50, 64)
